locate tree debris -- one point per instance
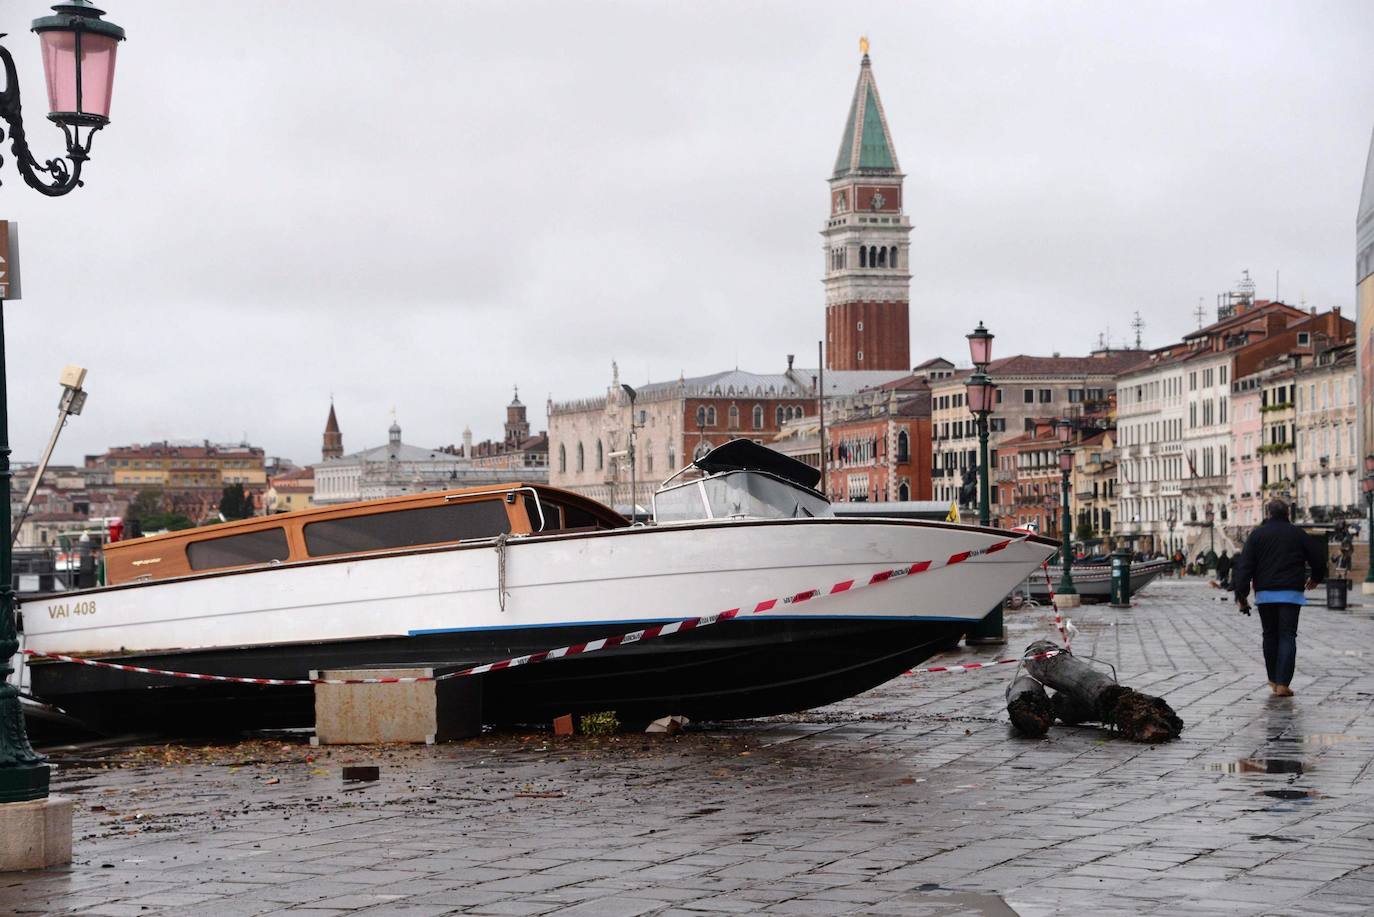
(1092, 696)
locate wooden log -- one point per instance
(1029, 706)
(1090, 694)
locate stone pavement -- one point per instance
(914, 799)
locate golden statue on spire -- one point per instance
(863, 45)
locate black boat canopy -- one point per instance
(747, 455)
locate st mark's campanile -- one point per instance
(867, 239)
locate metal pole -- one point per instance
(984, 489)
(1066, 586)
(1369, 536)
(42, 467)
(23, 775)
(820, 413)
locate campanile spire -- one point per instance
(867, 280)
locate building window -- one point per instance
(711, 416)
(581, 458)
(562, 458)
(860, 326)
(861, 356)
(892, 258)
(903, 449)
(758, 417)
(780, 415)
(1046, 395)
(863, 256)
(600, 456)
(734, 417)
(701, 416)
(1028, 395)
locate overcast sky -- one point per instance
(420, 205)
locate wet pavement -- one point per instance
(913, 799)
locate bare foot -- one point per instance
(1283, 691)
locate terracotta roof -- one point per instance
(934, 361)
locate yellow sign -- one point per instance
(953, 514)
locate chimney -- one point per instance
(790, 358)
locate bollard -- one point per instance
(988, 632)
(1121, 578)
(1336, 593)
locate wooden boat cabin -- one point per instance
(420, 520)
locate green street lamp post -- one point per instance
(1066, 595)
(1368, 485)
(981, 396)
(78, 60)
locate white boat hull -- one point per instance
(444, 604)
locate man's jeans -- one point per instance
(1280, 640)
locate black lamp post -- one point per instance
(1368, 484)
(981, 396)
(1172, 519)
(1211, 532)
(1066, 588)
(78, 60)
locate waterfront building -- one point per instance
(867, 243)
(1247, 435)
(1278, 432)
(1029, 390)
(191, 478)
(878, 443)
(332, 447)
(677, 421)
(1174, 416)
(1092, 499)
(1028, 480)
(396, 468)
(290, 491)
(517, 449)
(1326, 443)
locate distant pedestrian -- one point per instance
(1178, 563)
(1224, 570)
(1279, 559)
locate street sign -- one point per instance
(9, 260)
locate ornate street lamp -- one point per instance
(1172, 519)
(1211, 530)
(1368, 485)
(1066, 587)
(981, 396)
(980, 347)
(79, 61)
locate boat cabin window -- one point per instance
(407, 528)
(559, 517)
(238, 550)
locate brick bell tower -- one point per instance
(867, 239)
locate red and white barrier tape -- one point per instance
(577, 649)
(971, 666)
(1058, 615)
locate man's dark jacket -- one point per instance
(1277, 555)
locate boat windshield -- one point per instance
(738, 494)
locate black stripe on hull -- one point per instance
(734, 670)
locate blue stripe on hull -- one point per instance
(635, 624)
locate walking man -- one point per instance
(1224, 570)
(1279, 559)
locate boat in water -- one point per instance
(453, 579)
(1093, 580)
